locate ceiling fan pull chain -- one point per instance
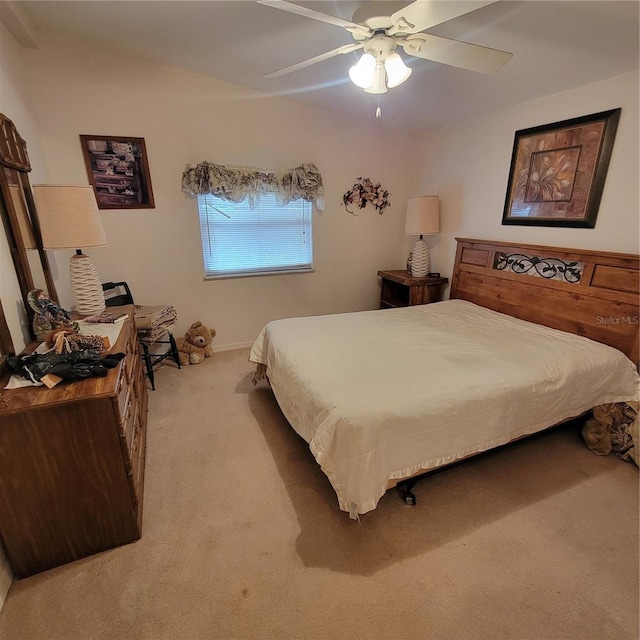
(378, 110)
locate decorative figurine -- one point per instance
(48, 316)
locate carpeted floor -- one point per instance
(242, 539)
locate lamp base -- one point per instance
(86, 285)
(420, 259)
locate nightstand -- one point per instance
(401, 289)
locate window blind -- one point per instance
(271, 238)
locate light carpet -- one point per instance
(243, 539)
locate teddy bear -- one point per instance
(196, 344)
(597, 436)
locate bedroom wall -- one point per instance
(467, 165)
(76, 88)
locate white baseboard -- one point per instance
(232, 347)
(156, 348)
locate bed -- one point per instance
(531, 337)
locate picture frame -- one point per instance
(118, 171)
(558, 171)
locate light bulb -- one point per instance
(397, 70)
(378, 85)
(361, 74)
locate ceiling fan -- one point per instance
(379, 31)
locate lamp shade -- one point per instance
(69, 219)
(68, 216)
(361, 74)
(397, 70)
(423, 216)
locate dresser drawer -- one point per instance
(138, 457)
(129, 425)
(124, 391)
(129, 366)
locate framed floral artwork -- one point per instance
(558, 171)
(118, 171)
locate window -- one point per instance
(271, 238)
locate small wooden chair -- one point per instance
(117, 294)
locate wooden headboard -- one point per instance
(589, 293)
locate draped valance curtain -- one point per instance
(235, 183)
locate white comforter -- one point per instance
(382, 394)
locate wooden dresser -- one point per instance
(72, 464)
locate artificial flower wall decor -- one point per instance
(365, 191)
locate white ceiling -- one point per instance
(555, 45)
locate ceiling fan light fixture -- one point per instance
(397, 70)
(378, 34)
(362, 73)
(378, 84)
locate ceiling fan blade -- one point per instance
(316, 15)
(423, 14)
(347, 48)
(455, 53)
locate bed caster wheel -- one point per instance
(410, 499)
(406, 494)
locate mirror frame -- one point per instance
(13, 155)
(6, 343)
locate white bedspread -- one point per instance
(382, 394)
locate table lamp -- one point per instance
(423, 218)
(69, 218)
